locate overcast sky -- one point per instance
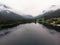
(32, 7)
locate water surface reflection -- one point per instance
(31, 34)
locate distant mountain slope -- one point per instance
(9, 15)
(27, 16)
(51, 14)
(5, 14)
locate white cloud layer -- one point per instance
(33, 7)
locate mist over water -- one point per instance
(31, 34)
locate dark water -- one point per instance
(30, 34)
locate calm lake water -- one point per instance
(29, 34)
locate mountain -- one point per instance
(9, 15)
(27, 16)
(50, 14)
(6, 15)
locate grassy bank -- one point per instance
(11, 23)
(53, 23)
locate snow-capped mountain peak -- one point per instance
(4, 7)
